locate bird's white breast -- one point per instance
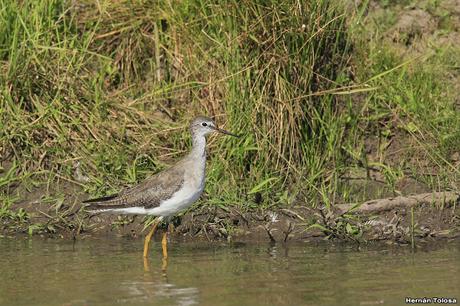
(192, 188)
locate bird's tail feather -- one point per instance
(101, 199)
(101, 204)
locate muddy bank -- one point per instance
(422, 217)
(424, 220)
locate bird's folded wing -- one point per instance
(148, 194)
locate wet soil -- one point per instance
(428, 220)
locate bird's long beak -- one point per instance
(225, 132)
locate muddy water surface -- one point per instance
(112, 272)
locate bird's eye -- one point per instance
(204, 124)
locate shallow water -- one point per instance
(112, 272)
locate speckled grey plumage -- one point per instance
(147, 194)
(184, 181)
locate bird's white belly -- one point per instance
(193, 186)
(183, 198)
(180, 200)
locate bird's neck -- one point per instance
(199, 146)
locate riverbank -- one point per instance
(345, 105)
(402, 220)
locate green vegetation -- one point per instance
(99, 94)
(414, 110)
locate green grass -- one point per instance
(414, 106)
(114, 87)
(100, 95)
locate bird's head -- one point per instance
(203, 126)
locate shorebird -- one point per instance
(168, 192)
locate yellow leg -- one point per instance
(164, 266)
(149, 237)
(170, 227)
(146, 264)
(164, 245)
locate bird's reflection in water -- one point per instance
(156, 287)
(274, 251)
(164, 265)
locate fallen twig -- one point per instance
(444, 199)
